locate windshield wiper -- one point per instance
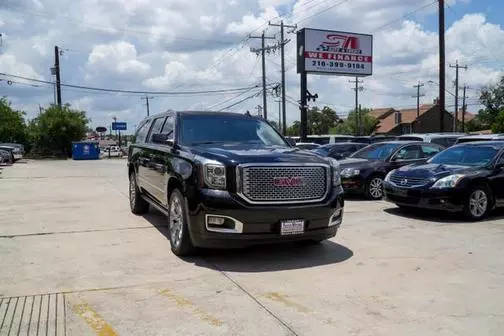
(205, 143)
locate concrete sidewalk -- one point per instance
(75, 261)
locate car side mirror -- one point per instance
(162, 139)
(499, 166)
(291, 141)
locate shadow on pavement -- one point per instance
(261, 258)
(441, 216)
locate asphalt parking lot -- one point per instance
(75, 261)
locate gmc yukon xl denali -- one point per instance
(229, 180)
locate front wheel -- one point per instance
(374, 188)
(478, 202)
(180, 240)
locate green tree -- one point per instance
(351, 126)
(53, 131)
(320, 121)
(492, 98)
(293, 130)
(12, 124)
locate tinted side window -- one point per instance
(430, 151)
(156, 127)
(409, 153)
(168, 127)
(141, 133)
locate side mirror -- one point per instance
(499, 166)
(162, 139)
(291, 141)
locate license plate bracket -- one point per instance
(292, 227)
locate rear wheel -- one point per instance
(478, 202)
(180, 240)
(137, 204)
(374, 188)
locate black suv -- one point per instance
(231, 180)
(468, 177)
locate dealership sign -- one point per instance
(334, 53)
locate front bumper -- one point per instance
(451, 200)
(353, 185)
(261, 223)
(17, 156)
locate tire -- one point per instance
(374, 188)
(478, 202)
(138, 205)
(180, 239)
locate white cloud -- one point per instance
(117, 57)
(9, 64)
(250, 22)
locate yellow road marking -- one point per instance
(283, 299)
(94, 320)
(182, 302)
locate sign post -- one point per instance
(119, 126)
(326, 52)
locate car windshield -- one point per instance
(379, 151)
(466, 156)
(223, 129)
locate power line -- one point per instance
(131, 91)
(404, 16)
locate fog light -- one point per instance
(213, 220)
(336, 217)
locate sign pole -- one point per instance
(303, 131)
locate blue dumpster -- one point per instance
(85, 150)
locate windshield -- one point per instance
(212, 129)
(379, 151)
(466, 156)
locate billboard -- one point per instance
(334, 52)
(119, 126)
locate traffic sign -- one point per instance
(119, 126)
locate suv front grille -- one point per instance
(407, 181)
(284, 184)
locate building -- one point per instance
(405, 121)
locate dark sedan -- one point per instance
(339, 150)
(363, 172)
(466, 178)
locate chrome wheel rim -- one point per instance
(376, 187)
(132, 191)
(176, 221)
(478, 203)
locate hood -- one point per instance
(359, 163)
(233, 154)
(436, 170)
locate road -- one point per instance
(75, 261)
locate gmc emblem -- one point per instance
(295, 181)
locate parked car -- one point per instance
(307, 145)
(6, 156)
(481, 137)
(231, 180)
(383, 138)
(444, 139)
(363, 172)
(325, 139)
(10, 150)
(17, 150)
(339, 150)
(466, 178)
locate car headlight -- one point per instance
(387, 178)
(335, 167)
(350, 172)
(448, 181)
(215, 175)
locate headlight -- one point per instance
(349, 172)
(215, 175)
(335, 167)
(448, 181)
(387, 178)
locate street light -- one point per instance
(432, 82)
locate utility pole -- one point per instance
(441, 64)
(283, 42)
(263, 50)
(146, 98)
(455, 115)
(360, 121)
(279, 101)
(58, 79)
(357, 111)
(418, 95)
(464, 109)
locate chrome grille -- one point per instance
(259, 183)
(407, 181)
